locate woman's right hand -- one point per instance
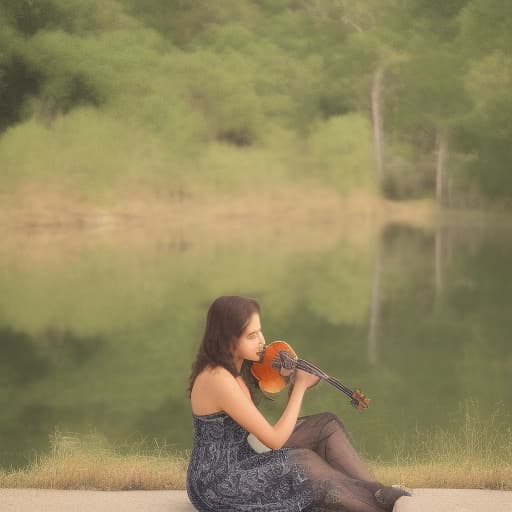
(305, 379)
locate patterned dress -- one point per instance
(226, 475)
(317, 470)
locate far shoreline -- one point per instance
(34, 208)
(45, 209)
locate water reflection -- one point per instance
(26, 362)
(20, 363)
(101, 336)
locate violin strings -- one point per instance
(310, 368)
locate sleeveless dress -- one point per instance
(226, 475)
(317, 470)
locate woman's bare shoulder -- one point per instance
(213, 374)
(206, 387)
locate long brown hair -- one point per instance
(226, 320)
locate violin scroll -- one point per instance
(359, 400)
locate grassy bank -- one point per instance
(478, 456)
(476, 452)
(88, 463)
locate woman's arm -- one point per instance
(229, 397)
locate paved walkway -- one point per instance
(36, 500)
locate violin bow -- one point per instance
(287, 362)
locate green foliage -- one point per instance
(86, 150)
(429, 89)
(438, 16)
(341, 152)
(486, 26)
(409, 172)
(486, 131)
(226, 100)
(194, 76)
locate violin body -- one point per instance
(269, 378)
(279, 361)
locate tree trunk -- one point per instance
(438, 262)
(440, 169)
(375, 311)
(377, 120)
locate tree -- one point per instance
(486, 37)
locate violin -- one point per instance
(279, 361)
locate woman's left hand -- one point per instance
(306, 379)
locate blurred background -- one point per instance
(346, 163)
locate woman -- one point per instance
(311, 465)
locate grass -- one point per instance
(476, 456)
(436, 475)
(87, 463)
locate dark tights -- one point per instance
(341, 480)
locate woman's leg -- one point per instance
(333, 490)
(326, 435)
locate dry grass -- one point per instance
(43, 227)
(476, 456)
(33, 207)
(80, 468)
(475, 453)
(83, 464)
(471, 475)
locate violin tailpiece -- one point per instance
(287, 361)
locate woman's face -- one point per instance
(250, 344)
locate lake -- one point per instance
(98, 328)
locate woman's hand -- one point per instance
(305, 379)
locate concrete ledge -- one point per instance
(455, 500)
(42, 500)
(48, 500)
